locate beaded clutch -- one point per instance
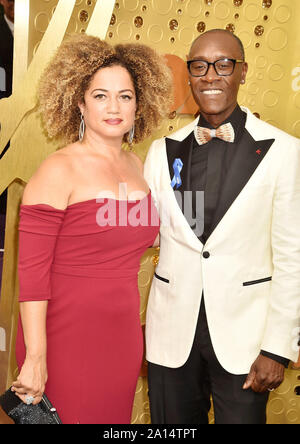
(21, 413)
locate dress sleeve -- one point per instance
(38, 230)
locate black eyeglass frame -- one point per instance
(226, 59)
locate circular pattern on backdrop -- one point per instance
(162, 7)
(276, 72)
(253, 88)
(282, 14)
(41, 22)
(261, 61)
(277, 39)
(143, 278)
(186, 36)
(155, 33)
(292, 415)
(296, 128)
(131, 5)
(222, 10)
(252, 12)
(246, 38)
(277, 405)
(193, 8)
(201, 26)
(270, 98)
(124, 30)
(297, 100)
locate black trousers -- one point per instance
(182, 395)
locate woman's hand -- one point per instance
(33, 375)
(31, 380)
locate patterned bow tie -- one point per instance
(224, 132)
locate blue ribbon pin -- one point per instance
(177, 167)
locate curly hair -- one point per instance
(68, 76)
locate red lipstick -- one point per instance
(113, 121)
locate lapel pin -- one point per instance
(177, 167)
(258, 151)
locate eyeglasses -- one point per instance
(223, 67)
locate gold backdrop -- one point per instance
(269, 30)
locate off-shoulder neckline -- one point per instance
(76, 204)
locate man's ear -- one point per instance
(244, 71)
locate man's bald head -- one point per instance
(235, 39)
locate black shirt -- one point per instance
(210, 180)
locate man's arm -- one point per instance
(278, 348)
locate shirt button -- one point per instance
(206, 254)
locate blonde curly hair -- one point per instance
(67, 77)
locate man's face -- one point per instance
(216, 95)
(9, 8)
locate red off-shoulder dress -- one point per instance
(85, 261)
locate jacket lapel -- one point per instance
(249, 155)
(181, 150)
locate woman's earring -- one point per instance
(131, 135)
(242, 82)
(81, 128)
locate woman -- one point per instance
(79, 338)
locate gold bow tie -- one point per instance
(224, 132)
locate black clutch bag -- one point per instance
(21, 413)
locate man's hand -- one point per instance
(265, 374)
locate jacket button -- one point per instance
(206, 254)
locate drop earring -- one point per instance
(131, 134)
(81, 128)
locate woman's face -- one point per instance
(110, 103)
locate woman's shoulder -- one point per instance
(52, 182)
(56, 166)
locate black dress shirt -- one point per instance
(209, 166)
(208, 172)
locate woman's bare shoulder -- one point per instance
(52, 182)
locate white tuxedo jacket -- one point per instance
(250, 270)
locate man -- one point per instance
(6, 47)
(6, 67)
(223, 309)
